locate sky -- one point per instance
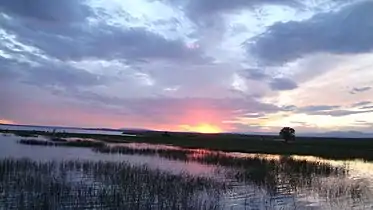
(188, 65)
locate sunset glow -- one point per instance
(2, 121)
(120, 64)
(202, 128)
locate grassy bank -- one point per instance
(335, 148)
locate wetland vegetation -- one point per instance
(333, 148)
(95, 171)
(27, 184)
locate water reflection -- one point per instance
(253, 181)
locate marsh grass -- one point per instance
(173, 154)
(62, 142)
(254, 167)
(26, 184)
(257, 170)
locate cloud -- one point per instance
(7, 71)
(125, 64)
(318, 108)
(366, 107)
(289, 108)
(332, 110)
(61, 75)
(283, 84)
(364, 123)
(68, 40)
(44, 10)
(159, 107)
(123, 112)
(346, 31)
(359, 90)
(201, 8)
(254, 74)
(337, 112)
(361, 103)
(47, 73)
(254, 115)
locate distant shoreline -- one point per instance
(331, 148)
(358, 135)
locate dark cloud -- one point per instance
(7, 71)
(212, 6)
(61, 76)
(45, 10)
(208, 14)
(254, 74)
(109, 43)
(343, 32)
(198, 9)
(360, 90)
(76, 41)
(42, 72)
(283, 84)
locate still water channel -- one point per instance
(274, 182)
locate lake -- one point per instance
(200, 180)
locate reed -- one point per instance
(278, 177)
(173, 154)
(256, 170)
(26, 184)
(223, 159)
(255, 166)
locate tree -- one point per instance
(288, 134)
(166, 134)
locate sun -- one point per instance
(202, 128)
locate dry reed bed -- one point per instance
(26, 184)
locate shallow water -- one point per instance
(274, 182)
